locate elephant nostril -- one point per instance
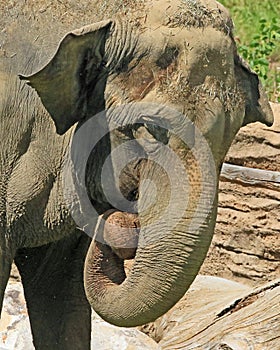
(121, 232)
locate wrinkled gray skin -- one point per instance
(152, 54)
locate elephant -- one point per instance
(168, 75)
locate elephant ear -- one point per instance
(257, 107)
(66, 83)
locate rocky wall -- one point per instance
(246, 244)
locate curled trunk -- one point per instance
(173, 242)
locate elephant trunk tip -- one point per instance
(115, 242)
(121, 233)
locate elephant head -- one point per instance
(186, 92)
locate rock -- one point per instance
(246, 244)
(15, 333)
(258, 146)
(105, 336)
(15, 330)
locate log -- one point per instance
(217, 314)
(250, 176)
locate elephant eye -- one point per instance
(133, 195)
(168, 56)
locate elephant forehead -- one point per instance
(177, 56)
(191, 44)
(188, 13)
(193, 27)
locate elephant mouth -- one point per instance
(120, 231)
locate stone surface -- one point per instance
(258, 146)
(108, 337)
(246, 244)
(15, 330)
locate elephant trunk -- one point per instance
(160, 276)
(171, 248)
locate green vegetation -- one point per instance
(257, 33)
